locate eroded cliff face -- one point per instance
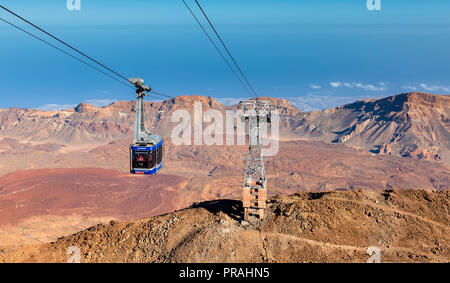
(410, 125)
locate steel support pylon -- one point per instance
(257, 114)
(142, 136)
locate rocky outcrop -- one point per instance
(404, 226)
(413, 125)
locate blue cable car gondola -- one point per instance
(147, 150)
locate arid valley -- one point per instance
(373, 172)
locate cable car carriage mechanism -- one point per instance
(147, 150)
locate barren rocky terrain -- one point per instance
(192, 174)
(64, 171)
(406, 226)
(51, 195)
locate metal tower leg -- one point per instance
(255, 185)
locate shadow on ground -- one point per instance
(232, 208)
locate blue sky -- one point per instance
(317, 53)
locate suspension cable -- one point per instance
(226, 48)
(216, 47)
(97, 62)
(78, 59)
(67, 53)
(73, 48)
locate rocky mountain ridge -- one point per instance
(415, 125)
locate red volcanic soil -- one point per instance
(89, 192)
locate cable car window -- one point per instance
(154, 157)
(159, 155)
(140, 159)
(151, 159)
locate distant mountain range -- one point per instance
(413, 125)
(410, 125)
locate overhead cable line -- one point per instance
(180, 100)
(65, 52)
(216, 47)
(73, 48)
(164, 95)
(226, 48)
(78, 59)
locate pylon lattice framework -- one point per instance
(254, 197)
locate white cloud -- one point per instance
(230, 100)
(56, 107)
(370, 87)
(59, 107)
(435, 87)
(318, 100)
(335, 84)
(409, 87)
(322, 100)
(314, 86)
(427, 87)
(349, 85)
(100, 102)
